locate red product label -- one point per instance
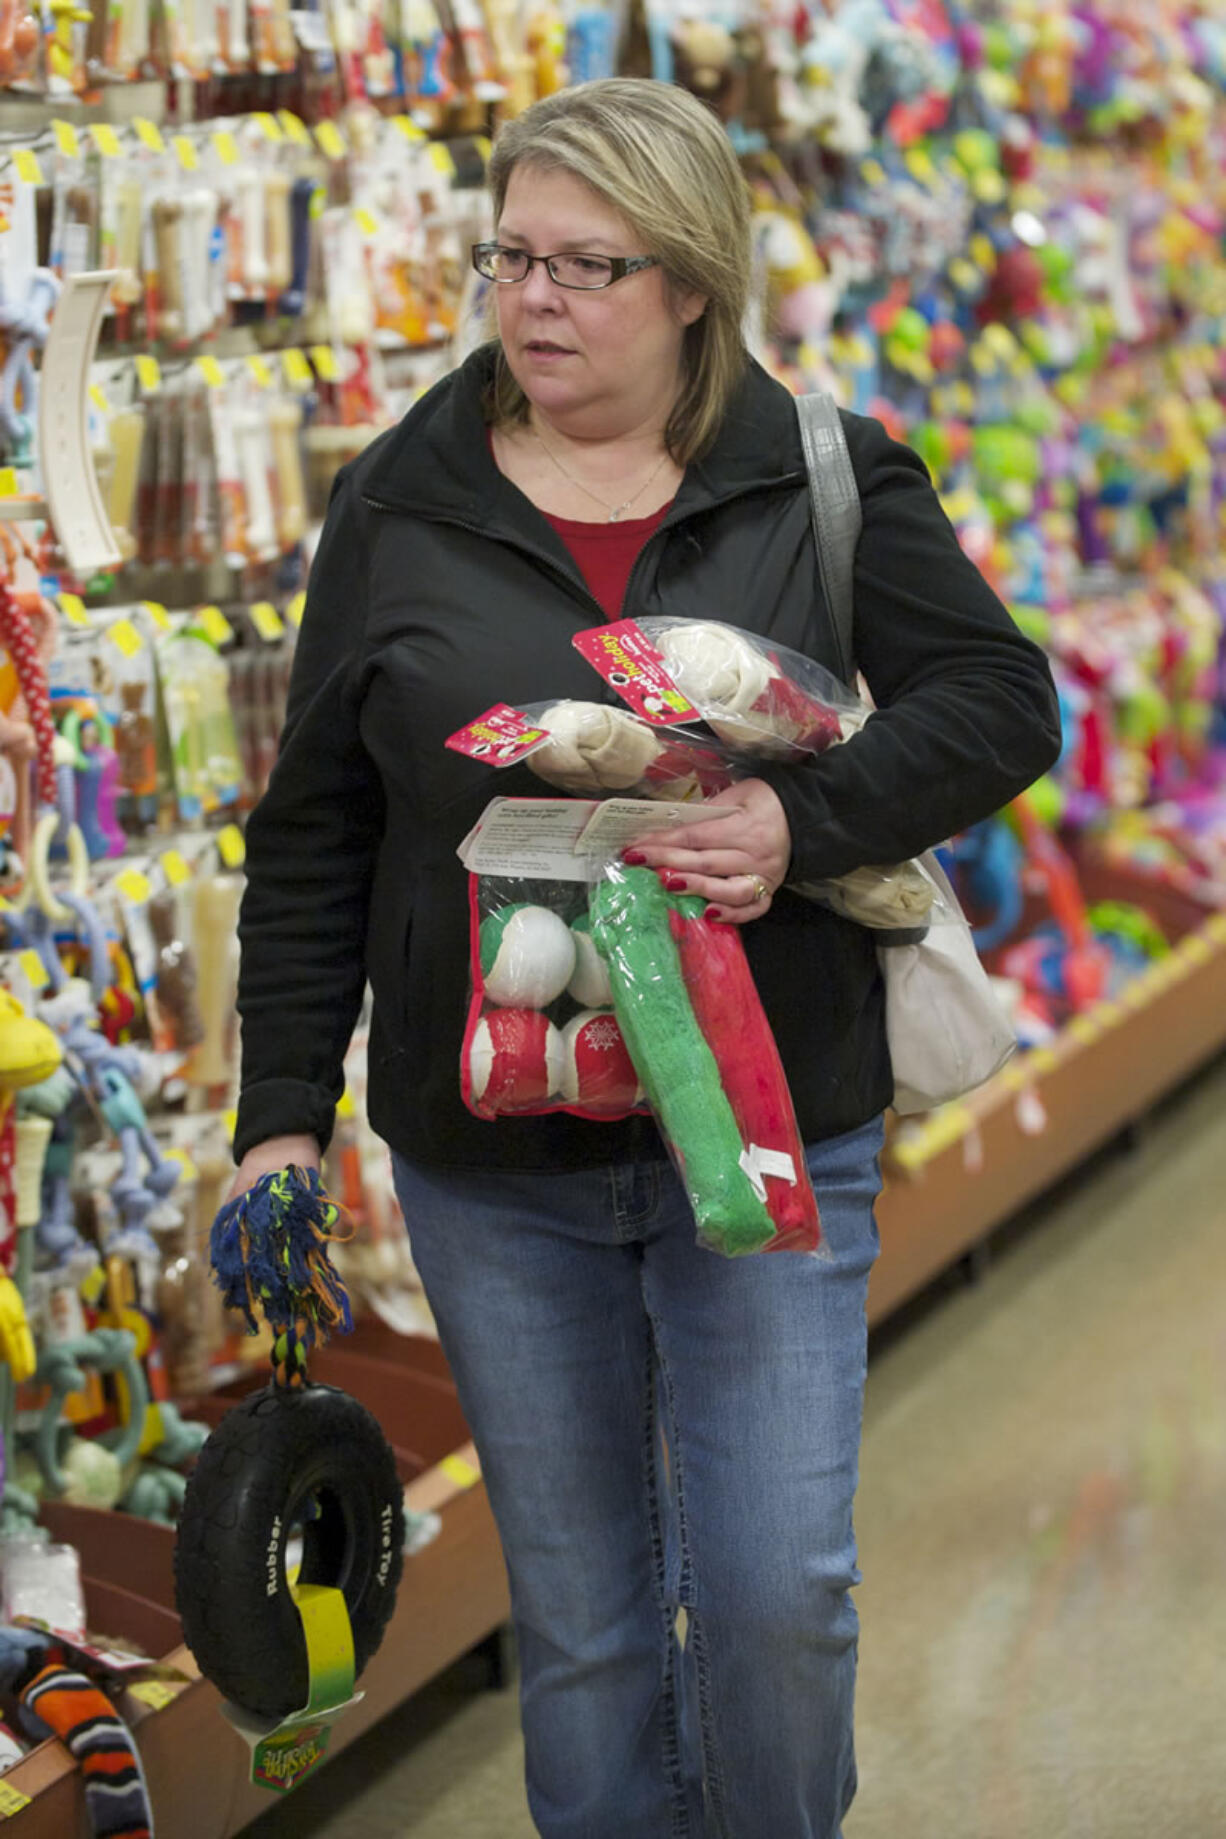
(500, 737)
(632, 666)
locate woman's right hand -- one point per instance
(273, 1154)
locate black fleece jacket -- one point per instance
(437, 590)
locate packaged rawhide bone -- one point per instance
(595, 992)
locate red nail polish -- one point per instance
(676, 884)
(633, 858)
(713, 916)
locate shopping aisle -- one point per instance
(1041, 1525)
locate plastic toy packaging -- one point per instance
(605, 996)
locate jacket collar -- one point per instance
(437, 461)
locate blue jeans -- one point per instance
(661, 1428)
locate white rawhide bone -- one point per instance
(593, 748)
(721, 673)
(897, 897)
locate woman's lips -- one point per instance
(542, 348)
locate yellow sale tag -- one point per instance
(231, 846)
(229, 1121)
(344, 1104)
(124, 634)
(210, 369)
(91, 1287)
(484, 147)
(9, 483)
(134, 885)
(185, 151)
(297, 370)
(148, 372)
(258, 367)
(296, 608)
(67, 139)
(175, 867)
(324, 359)
(409, 128)
(267, 621)
(294, 128)
(106, 140)
(331, 140)
(462, 1473)
(34, 968)
(184, 1161)
(441, 160)
(268, 125)
(157, 613)
(215, 624)
(366, 221)
(25, 162)
(148, 133)
(97, 396)
(226, 147)
(154, 1692)
(11, 1801)
(73, 608)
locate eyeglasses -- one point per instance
(507, 266)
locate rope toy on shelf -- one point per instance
(269, 1251)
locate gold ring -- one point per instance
(760, 889)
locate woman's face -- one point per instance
(597, 364)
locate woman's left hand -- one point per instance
(735, 861)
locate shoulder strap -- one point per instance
(834, 499)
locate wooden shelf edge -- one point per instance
(953, 1176)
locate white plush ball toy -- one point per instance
(515, 1061)
(590, 983)
(527, 956)
(593, 748)
(597, 1071)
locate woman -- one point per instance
(659, 1428)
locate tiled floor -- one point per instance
(1043, 1536)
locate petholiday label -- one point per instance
(564, 839)
(630, 664)
(500, 737)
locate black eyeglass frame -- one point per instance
(621, 266)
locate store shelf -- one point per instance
(453, 1594)
(953, 1176)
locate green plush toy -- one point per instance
(631, 926)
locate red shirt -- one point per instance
(606, 552)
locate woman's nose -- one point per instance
(540, 286)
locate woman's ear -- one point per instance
(689, 307)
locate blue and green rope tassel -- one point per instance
(269, 1251)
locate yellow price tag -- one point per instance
(294, 128)
(258, 367)
(324, 359)
(97, 396)
(157, 613)
(296, 608)
(106, 140)
(148, 133)
(231, 846)
(461, 1472)
(184, 1161)
(331, 140)
(91, 1287)
(269, 126)
(148, 373)
(67, 140)
(267, 621)
(10, 485)
(210, 369)
(344, 1104)
(34, 968)
(185, 152)
(484, 147)
(441, 159)
(297, 370)
(175, 867)
(11, 1801)
(25, 162)
(366, 221)
(226, 147)
(229, 1123)
(154, 1692)
(124, 634)
(409, 128)
(134, 885)
(73, 608)
(215, 624)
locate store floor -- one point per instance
(1043, 1536)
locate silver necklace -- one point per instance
(615, 511)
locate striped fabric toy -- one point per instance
(71, 1706)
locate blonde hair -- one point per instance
(663, 162)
